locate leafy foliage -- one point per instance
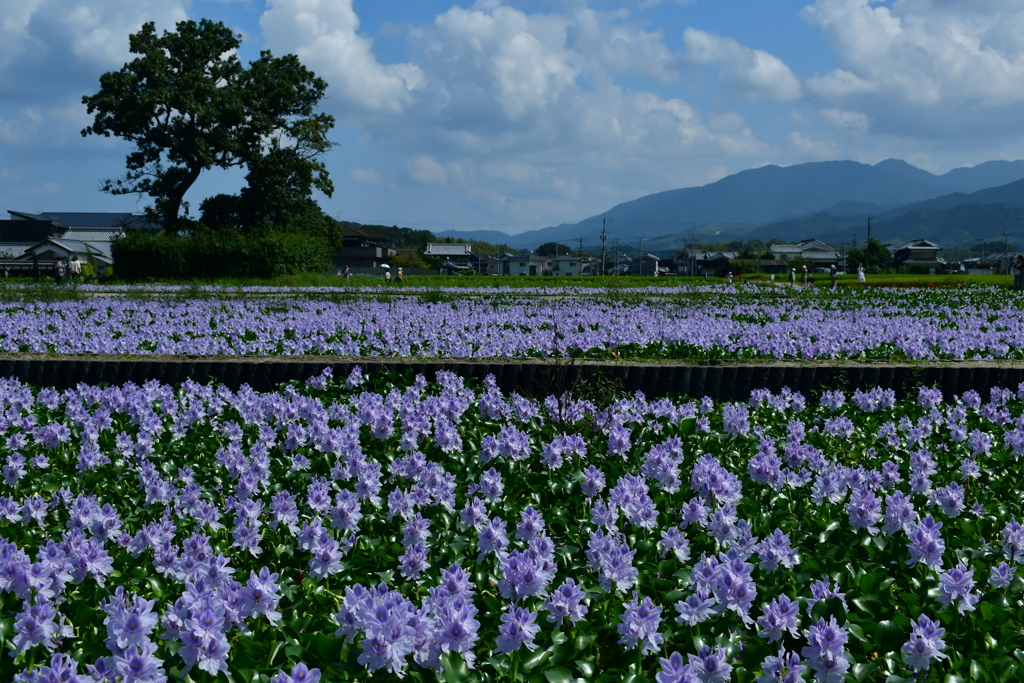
(188, 105)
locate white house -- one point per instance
(811, 250)
(457, 252)
(565, 265)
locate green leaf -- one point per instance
(455, 669)
(560, 674)
(586, 668)
(889, 637)
(862, 670)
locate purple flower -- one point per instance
(566, 602)
(696, 608)
(674, 670)
(711, 665)
(517, 629)
(825, 651)
(639, 624)
(924, 645)
(957, 585)
(300, 673)
(139, 665)
(1001, 575)
(784, 668)
(780, 616)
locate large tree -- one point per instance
(188, 104)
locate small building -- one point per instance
(53, 249)
(362, 248)
(713, 261)
(815, 251)
(522, 264)
(566, 265)
(918, 254)
(647, 264)
(456, 252)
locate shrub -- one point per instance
(207, 254)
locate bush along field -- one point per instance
(347, 530)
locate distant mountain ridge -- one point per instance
(827, 200)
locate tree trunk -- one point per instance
(170, 206)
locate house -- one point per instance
(815, 251)
(457, 252)
(647, 264)
(97, 230)
(522, 264)
(362, 248)
(566, 265)
(1002, 261)
(53, 249)
(714, 260)
(919, 253)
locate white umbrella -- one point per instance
(384, 265)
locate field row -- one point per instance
(971, 323)
(341, 531)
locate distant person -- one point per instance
(387, 275)
(74, 269)
(805, 276)
(399, 276)
(35, 269)
(348, 272)
(58, 271)
(792, 277)
(728, 278)
(1018, 273)
(834, 274)
(860, 274)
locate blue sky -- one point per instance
(520, 114)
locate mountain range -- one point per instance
(829, 200)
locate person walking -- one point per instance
(1018, 273)
(74, 269)
(400, 276)
(348, 272)
(833, 273)
(792, 278)
(804, 275)
(860, 274)
(387, 276)
(58, 271)
(35, 269)
(729, 278)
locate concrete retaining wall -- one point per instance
(720, 382)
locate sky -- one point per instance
(514, 115)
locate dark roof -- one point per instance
(366, 233)
(78, 219)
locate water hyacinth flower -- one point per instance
(786, 667)
(517, 629)
(566, 602)
(925, 644)
(675, 670)
(1000, 576)
(711, 665)
(639, 624)
(957, 587)
(825, 651)
(780, 616)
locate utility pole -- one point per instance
(641, 255)
(616, 266)
(869, 227)
(581, 257)
(604, 238)
(1006, 251)
(693, 254)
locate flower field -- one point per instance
(346, 530)
(694, 324)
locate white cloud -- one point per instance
(923, 52)
(324, 34)
(426, 171)
(515, 171)
(365, 176)
(756, 73)
(847, 121)
(813, 150)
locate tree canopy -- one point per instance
(189, 105)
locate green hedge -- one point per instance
(140, 255)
